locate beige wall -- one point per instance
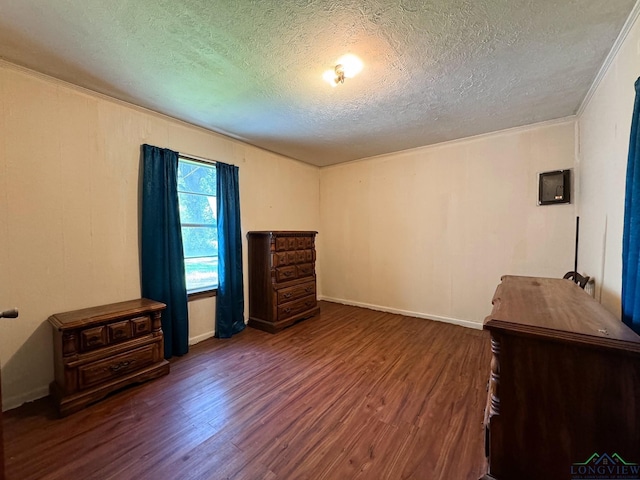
(69, 170)
(430, 231)
(603, 130)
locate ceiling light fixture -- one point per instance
(348, 67)
(339, 74)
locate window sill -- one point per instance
(203, 294)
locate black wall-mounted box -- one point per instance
(554, 187)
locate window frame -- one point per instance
(207, 292)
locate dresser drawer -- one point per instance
(284, 274)
(279, 259)
(296, 307)
(141, 325)
(285, 258)
(91, 338)
(286, 243)
(305, 270)
(293, 293)
(305, 256)
(119, 331)
(114, 367)
(281, 243)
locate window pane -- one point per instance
(196, 177)
(196, 196)
(201, 273)
(197, 209)
(199, 241)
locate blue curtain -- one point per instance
(230, 297)
(631, 233)
(162, 260)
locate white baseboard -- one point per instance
(407, 313)
(9, 403)
(199, 338)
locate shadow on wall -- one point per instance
(26, 375)
(610, 299)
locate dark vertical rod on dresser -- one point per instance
(575, 259)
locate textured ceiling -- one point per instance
(433, 70)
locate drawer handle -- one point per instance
(140, 326)
(308, 289)
(287, 310)
(121, 365)
(287, 295)
(93, 340)
(119, 333)
(308, 303)
(288, 273)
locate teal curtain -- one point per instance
(631, 233)
(162, 260)
(230, 297)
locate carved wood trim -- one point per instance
(156, 324)
(494, 386)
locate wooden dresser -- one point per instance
(101, 349)
(282, 278)
(564, 390)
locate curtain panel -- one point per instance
(631, 233)
(230, 297)
(162, 260)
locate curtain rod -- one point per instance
(194, 157)
(201, 159)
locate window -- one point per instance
(197, 201)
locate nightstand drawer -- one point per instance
(114, 367)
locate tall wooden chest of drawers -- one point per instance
(564, 385)
(101, 349)
(282, 278)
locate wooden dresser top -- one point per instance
(92, 315)
(556, 309)
(283, 233)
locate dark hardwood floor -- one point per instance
(348, 394)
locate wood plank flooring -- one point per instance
(348, 394)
